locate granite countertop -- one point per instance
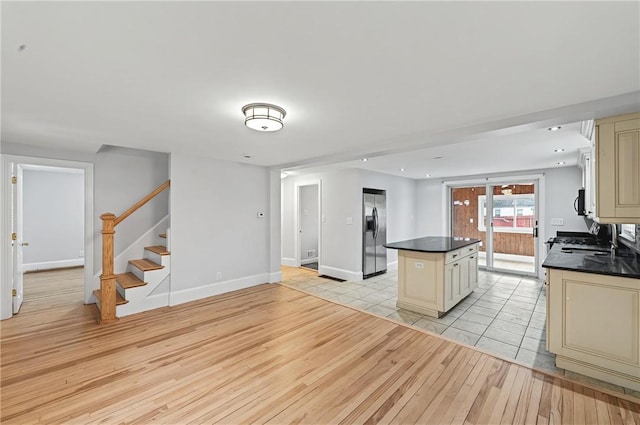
(591, 259)
(432, 244)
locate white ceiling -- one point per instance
(356, 78)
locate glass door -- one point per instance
(504, 217)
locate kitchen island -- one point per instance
(593, 312)
(435, 273)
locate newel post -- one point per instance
(107, 279)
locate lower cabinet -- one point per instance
(593, 325)
(433, 283)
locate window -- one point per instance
(511, 213)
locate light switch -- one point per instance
(324, 218)
(471, 220)
(349, 220)
(419, 265)
(557, 221)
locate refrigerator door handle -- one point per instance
(375, 222)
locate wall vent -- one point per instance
(311, 253)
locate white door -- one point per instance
(18, 243)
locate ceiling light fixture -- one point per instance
(561, 162)
(556, 128)
(559, 150)
(263, 116)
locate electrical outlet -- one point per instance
(219, 276)
(81, 255)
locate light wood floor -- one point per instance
(270, 354)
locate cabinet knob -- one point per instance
(455, 265)
(455, 255)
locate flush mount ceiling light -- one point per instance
(263, 116)
(559, 150)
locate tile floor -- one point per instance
(505, 315)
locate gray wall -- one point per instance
(121, 177)
(53, 218)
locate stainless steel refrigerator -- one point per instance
(374, 232)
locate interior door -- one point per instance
(18, 242)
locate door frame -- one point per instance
(296, 220)
(6, 259)
(539, 189)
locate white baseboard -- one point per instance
(290, 262)
(217, 288)
(275, 277)
(393, 266)
(50, 265)
(340, 273)
(309, 260)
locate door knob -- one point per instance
(25, 243)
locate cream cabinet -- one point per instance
(593, 325)
(432, 283)
(618, 169)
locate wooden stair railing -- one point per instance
(108, 278)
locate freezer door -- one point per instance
(368, 230)
(381, 232)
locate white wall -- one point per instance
(308, 216)
(53, 218)
(215, 227)
(341, 212)
(561, 188)
(122, 176)
(401, 208)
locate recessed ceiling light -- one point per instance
(427, 175)
(556, 128)
(438, 157)
(246, 156)
(559, 150)
(561, 162)
(402, 169)
(365, 159)
(22, 47)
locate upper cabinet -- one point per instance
(618, 169)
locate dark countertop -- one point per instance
(577, 258)
(432, 244)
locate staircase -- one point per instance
(145, 283)
(139, 288)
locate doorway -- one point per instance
(41, 208)
(504, 216)
(308, 229)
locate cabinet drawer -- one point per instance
(459, 253)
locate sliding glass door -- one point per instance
(504, 217)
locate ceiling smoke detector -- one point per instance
(263, 116)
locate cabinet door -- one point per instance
(451, 285)
(418, 279)
(465, 281)
(472, 266)
(618, 170)
(595, 319)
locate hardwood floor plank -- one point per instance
(265, 354)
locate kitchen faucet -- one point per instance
(614, 240)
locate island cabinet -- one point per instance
(593, 325)
(618, 169)
(432, 283)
